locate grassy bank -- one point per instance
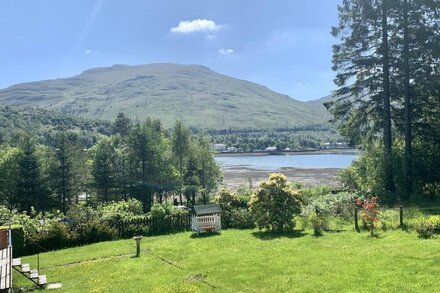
(249, 261)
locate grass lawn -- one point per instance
(249, 261)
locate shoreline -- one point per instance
(289, 153)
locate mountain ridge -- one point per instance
(195, 94)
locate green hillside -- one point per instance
(195, 94)
(44, 124)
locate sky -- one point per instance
(282, 44)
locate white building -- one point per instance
(220, 147)
(271, 149)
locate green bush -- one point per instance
(275, 204)
(57, 236)
(91, 232)
(428, 227)
(241, 219)
(165, 210)
(120, 210)
(79, 214)
(319, 223)
(229, 202)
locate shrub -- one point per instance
(369, 214)
(228, 202)
(165, 210)
(275, 204)
(56, 236)
(319, 223)
(79, 214)
(121, 210)
(241, 219)
(94, 231)
(427, 227)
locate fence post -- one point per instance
(356, 224)
(401, 217)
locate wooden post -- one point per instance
(401, 217)
(356, 224)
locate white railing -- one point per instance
(206, 223)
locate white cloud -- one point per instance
(226, 51)
(87, 51)
(211, 37)
(196, 25)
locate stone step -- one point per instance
(33, 274)
(25, 268)
(16, 262)
(42, 280)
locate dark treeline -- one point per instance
(138, 160)
(388, 73)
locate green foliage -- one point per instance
(91, 232)
(234, 211)
(165, 210)
(274, 196)
(121, 210)
(56, 235)
(43, 125)
(428, 227)
(319, 223)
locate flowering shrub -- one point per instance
(369, 213)
(275, 204)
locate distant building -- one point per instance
(232, 149)
(287, 149)
(219, 147)
(271, 149)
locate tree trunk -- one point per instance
(387, 135)
(408, 106)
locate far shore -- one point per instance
(342, 151)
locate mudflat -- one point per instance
(235, 176)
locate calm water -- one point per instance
(286, 161)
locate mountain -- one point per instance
(194, 94)
(318, 106)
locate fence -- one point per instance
(398, 217)
(153, 226)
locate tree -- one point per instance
(29, 191)
(275, 204)
(147, 148)
(103, 171)
(362, 62)
(207, 171)
(67, 174)
(9, 174)
(180, 143)
(122, 125)
(387, 134)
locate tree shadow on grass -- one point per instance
(204, 235)
(269, 235)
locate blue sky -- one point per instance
(283, 44)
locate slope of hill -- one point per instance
(195, 94)
(318, 106)
(43, 124)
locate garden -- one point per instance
(280, 238)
